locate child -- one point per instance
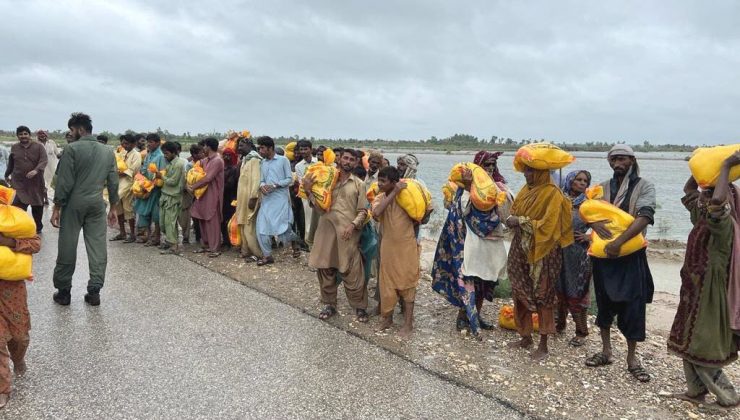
(15, 322)
(399, 259)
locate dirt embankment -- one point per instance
(559, 387)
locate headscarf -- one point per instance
(484, 156)
(567, 186)
(411, 164)
(233, 159)
(549, 212)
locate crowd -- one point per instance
(257, 197)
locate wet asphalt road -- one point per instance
(175, 340)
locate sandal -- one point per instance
(118, 237)
(170, 251)
(328, 312)
(214, 254)
(200, 251)
(462, 324)
(265, 261)
(484, 325)
(639, 373)
(577, 341)
(251, 258)
(362, 316)
(296, 253)
(129, 240)
(597, 360)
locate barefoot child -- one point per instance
(399, 258)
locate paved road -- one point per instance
(174, 340)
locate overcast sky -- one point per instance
(565, 71)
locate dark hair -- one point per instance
(390, 173)
(211, 143)
(303, 143)
(22, 129)
(359, 154)
(80, 120)
(102, 138)
(169, 146)
(359, 172)
(266, 141)
(178, 145)
(139, 136)
(153, 137)
(195, 149)
(339, 150)
(342, 151)
(128, 138)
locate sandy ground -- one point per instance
(559, 387)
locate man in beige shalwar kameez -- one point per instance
(336, 241)
(125, 207)
(247, 196)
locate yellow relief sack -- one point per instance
(415, 200)
(121, 164)
(14, 223)
(484, 194)
(194, 175)
(142, 186)
(448, 192)
(325, 178)
(542, 156)
(235, 234)
(706, 163)
(595, 210)
(290, 151)
(506, 319)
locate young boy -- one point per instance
(170, 203)
(399, 259)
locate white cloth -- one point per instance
(300, 171)
(485, 258)
(52, 159)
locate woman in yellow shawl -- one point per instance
(541, 222)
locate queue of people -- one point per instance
(156, 199)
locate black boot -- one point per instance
(92, 297)
(63, 296)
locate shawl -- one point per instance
(567, 186)
(483, 156)
(733, 281)
(549, 213)
(411, 162)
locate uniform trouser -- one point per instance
(250, 244)
(702, 379)
(15, 350)
(354, 285)
(91, 219)
(169, 214)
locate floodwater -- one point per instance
(668, 171)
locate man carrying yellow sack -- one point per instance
(336, 243)
(15, 322)
(624, 285)
(125, 207)
(85, 167)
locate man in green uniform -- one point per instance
(83, 170)
(170, 203)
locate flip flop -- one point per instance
(118, 237)
(328, 312)
(597, 360)
(639, 373)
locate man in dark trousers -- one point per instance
(85, 167)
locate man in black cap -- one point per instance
(624, 285)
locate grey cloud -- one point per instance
(571, 71)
